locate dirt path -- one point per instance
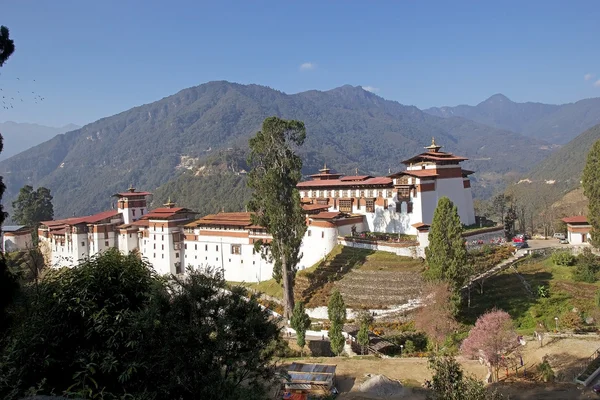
(565, 356)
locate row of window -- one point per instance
(383, 193)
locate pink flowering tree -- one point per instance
(492, 339)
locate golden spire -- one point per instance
(169, 203)
(131, 188)
(356, 171)
(433, 147)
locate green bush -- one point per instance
(564, 258)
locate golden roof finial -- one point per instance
(356, 171)
(433, 147)
(169, 203)
(131, 188)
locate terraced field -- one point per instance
(366, 279)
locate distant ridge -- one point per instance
(19, 137)
(348, 127)
(565, 165)
(553, 123)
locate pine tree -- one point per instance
(591, 189)
(336, 311)
(336, 339)
(363, 336)
(300, 322)
(447, 253)
(276, 170)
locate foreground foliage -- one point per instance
(449, 383)
(591, 189)
(110, 328)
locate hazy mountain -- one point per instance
(554, 123)
(565, 165)
(21, 136)
(347, 127)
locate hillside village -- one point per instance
(364, 222)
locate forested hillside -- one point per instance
(566, 164)
(553, 123)
(347, 127)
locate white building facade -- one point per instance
(399, 202)
(578, 230)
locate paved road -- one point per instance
(542, 244)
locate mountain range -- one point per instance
(19, 137)
(348, 128)
(556, 124)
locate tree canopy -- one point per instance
(336, 311)
(591, 189)
(436, 318)
(446, 254)
(492, 338)
(276, 170)
(300, 322)
(7, 45)
(33, 206)
(110, 326)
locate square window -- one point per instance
(82, 244)
(217, 247)
(176, 255)
(154, 255)
(106, 243)
(185, 246)
(236, 249)
(370, 206)
(163, 256)
(309, 233)
(195, 247)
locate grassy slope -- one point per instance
(505, 291)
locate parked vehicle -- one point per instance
(520, 245)
(596, 388)
(564, 241)
(518, 239)
(559, 236)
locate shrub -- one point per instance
(546, 371)
(564, 258)
(571, 320)
(583, 273)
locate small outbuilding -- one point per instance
(16, 238)
(304, 381)
(578, 229)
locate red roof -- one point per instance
(238, 219)
(313, 207)
(166, 212)
(420, 226)
(326, 215)
(420, 173)
(434, 156)
(356, 178)
(132, 194)
(90, 219)
(579, 219)
(382, 180)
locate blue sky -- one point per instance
(92, 59)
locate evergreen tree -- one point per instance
(300, 322)
(336, 339)
(364, 319)
(336, 311)
(7, 45)
(363, 336)
(33, 206)
(8, 281)
(276, 170)
(591, 189)
(447, 253)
